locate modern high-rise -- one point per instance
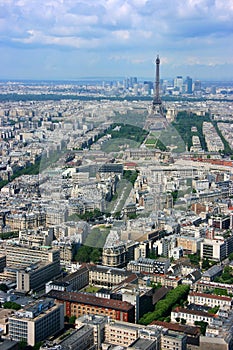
(189, 85)
(36, 321)
(178, 83)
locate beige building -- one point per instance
(36, 322)
(114, 256)
(16, 255)
(189, 244)
(34, 277)
(105, 276)
(173, 341)
(31, 268)
(22, 221)
(210, 300)
(125, 334)
(4, 322)
(191, 316)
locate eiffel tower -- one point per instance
(156, 119)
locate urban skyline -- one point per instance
(70, 40)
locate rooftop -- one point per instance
(77, 297)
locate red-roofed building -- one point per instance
(191, 316)
(78, 304)
(192, 332)
(210, 300)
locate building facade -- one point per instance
(78, 304)
(36, 322)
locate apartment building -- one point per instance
(171, 341)
(17, 255)
(72, 282)
(165, 280)
(213, 249)
(31, 268)
(126, 335)
(81, 339)
(105, 276)
(36, 321)
(160, 265)
(2, 262)
(203, 286)
(210, 300)
(192, 332)
(189, 244)
(191, 316)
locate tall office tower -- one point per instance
(189, 85)
(197, 86)
(178, 82)
(133, 80)
(156, 100)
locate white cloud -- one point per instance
(198, 30)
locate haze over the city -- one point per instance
(70, 39)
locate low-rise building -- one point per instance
(126, 334)
(160, 265)
(97, 322)
(171, 341)
(191, 316)
(210, 300)
(106, 276)
(72, 282)
(81, 339)
(206, 285)
(78, 304)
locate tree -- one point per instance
(95, 255)
(3, 287)
(72, 319)
(205, 264)
(202, 325)
(37, 345)
(86, 254)
(83, 254)
(164, 306)
(22, 344)
(230, 256)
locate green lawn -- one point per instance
(97, 237)
(91, 289)
(120, 144)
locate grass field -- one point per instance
(90, 289)
(97, 237)
(117, 145)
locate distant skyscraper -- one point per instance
(189, 85)
(178, 82)
(133, 80)
(197, 85)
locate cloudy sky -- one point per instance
(70, 39)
